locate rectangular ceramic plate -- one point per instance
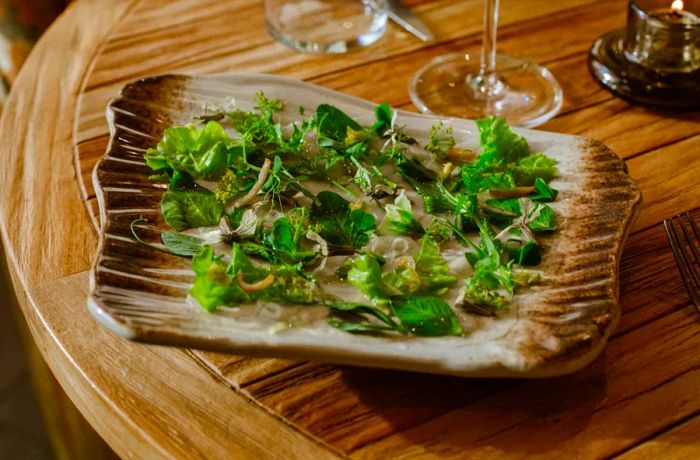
(552, 329)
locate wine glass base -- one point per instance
(531, 95)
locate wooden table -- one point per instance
(640, 399)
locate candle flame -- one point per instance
(677, 5)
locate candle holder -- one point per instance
(656, 60)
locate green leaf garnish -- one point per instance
(532, 167)
(216, 284)
(441, 140)
(181, 244)
(492, 283)
(366, 275)
(191, 208)
(200, 152)
(384, 119)
(399, 218)
(543, 192)
(333, 123)
(213, 285)
(338, 224)
(426, 316)
(499, 145)
(281, 228)
(432, 269)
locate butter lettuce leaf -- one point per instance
(201, 152)
(499, 144)
(432, 269)
(213, 285)
(366, 275)
(532, 167)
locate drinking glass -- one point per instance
(486, 83)
(325, 26)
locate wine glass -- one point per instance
(486, 83)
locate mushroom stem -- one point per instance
(257, 286)
(262, 177)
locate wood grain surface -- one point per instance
(641, 398)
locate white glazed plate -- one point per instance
(553, 329)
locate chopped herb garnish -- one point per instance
(287, 196)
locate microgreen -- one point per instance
(441, 140)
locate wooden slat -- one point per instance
(627, 129)
(595, 413)
(662, 171)
(679, 443)
(214, 44)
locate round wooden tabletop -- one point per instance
(640, 398)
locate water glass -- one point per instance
(325, 26)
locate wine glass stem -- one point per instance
(487, 84)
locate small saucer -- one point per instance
(629, 80)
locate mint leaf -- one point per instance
(543, 192)
(426, 316)
(283, 242)
(333, 123)
(384, 119)
(191, 208)
(508, 205)
(528, 254)
(357, 318)
(542, 219)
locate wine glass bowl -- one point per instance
(486, 83)
(524, 93)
